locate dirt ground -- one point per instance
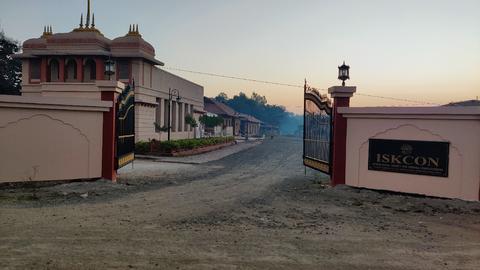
(255, 209)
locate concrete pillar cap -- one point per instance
(342, 91)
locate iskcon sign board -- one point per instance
(406, 156)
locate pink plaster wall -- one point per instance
(50, 138)
(459, 126)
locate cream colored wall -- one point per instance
(25, 71)
(70, 89)
(149, 89)
(459, 126)
(50, 138)
(144, 119)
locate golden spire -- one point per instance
(47, 31)
(87, 27)
(87, 23)
(133, 30)
(81, 21)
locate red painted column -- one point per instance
(100, 67)
(43, 69)
(108, 144)
(341, 98)
(61, 71)
(79, 69)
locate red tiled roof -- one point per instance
(249, 118)
(213, 106)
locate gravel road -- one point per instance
(255, 209)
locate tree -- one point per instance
(259, 99)
(211, 121)
(10, 68)
(274, 115)
(190, 120)
(222, 97)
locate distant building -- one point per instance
(69, 64)
(249, 125)
(231, 120)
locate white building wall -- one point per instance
(153, 83)
(457, 125)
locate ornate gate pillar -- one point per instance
(341, 98)
(109, 92)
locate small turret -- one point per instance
(47, 31)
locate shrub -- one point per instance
(142, 147)
(166, 147)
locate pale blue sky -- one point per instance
(422, 50)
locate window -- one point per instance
(174, 116)
(158, 112)
(123, 70)
(71, 70)
(185, 127)
(181, 118)
(90, 70)
(54, 69)
(191, 112)
(35, 69)
(165, 112)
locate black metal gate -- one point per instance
(317, 130)
(125, 127)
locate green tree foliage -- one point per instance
(211, 121)
(190, 120)
(257, 105)
(222, 97)
(10, 68)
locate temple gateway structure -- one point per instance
(71, 65)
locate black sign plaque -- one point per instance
(406, 156)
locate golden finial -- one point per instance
(89, 25)
(87, 22)
(81, 20)
(133, 30)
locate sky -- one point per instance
(415, 50)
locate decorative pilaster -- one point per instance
(100, 68)
(43, 69)
(341, 98)
(61, 70)
(79, 61)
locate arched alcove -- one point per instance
(70, 70)
(53, 70)
(90, 70)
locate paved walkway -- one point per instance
(205, 157)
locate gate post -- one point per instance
(341, 98)
(109, 92)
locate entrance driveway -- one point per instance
(255, 209)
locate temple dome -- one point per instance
(35, 43)
(133, 45)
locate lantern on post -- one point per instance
(343, 73)
(109, 68)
